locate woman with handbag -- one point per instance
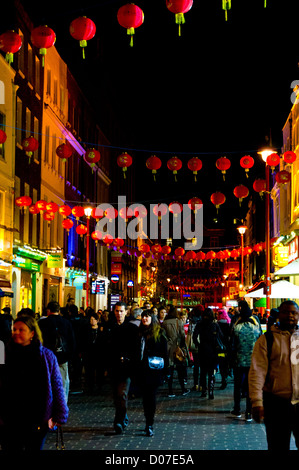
(177, 351)
(32, 398)
(154, 362)
(208, 332)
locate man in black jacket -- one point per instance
(123, 356)
(58, 336)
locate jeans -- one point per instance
(281, 420)
(64, 370)
(120, 397)
(241, 384)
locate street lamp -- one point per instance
(87, 212)
(264, 154)
(242, 229)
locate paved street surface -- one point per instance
(182, 424)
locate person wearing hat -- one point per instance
(245, 333)
(5, 325)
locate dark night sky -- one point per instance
(219, 89)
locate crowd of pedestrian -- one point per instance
(136, 349)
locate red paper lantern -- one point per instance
(82, 29)
(179, 7)
(48, 216)
(30, 145)
(108, 239)
(221, 255)
(118, 243)
(195, 164)
(190, 255)
(223, 164)
(289, 156)
(174, 164)
(175, 208)
(81, 230)
(33, 209)
(259, 186)
(241, 192)
(144, 248)
(193, 202)
(41, 205)
(235, 253)
(153, 163)
(247, 250)
(140, 212)
(23, 201)
(126, 213)
(96, 236)
(200, 256)
(130, 17)
(124, 160)
(258, 248)
(160, 210)
(247, 162)
(166, 249)
(43, 38)
(78, 211)
(97, 213)
(52, 207)
(111, 213)
(67, 224)
(10, 43)
(273, 160)
(65, 211)
(64, 151)
(156, 248)
(92, 156)
(179, 252)
(217, 199)
(3, 137)
(283, 177)
(210, 255)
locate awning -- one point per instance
(279, 290)
(289, 269)
(6, 292)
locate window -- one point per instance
(37, 76)
(2, 146)
(28, 122)
(30, 64)
(19, 120)
(37, 136)
(55, 97)
(214, 241)
(49, 82)
(47, 144)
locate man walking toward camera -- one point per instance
(123, 356)
(274, 379)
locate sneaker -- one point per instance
(248, 417)
(186, 391)
(171, 395)
(149, 431)
(235, 414)
(195, 388)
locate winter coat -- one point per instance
(280, 376)
(207, 333)
(175, 333)
(150, 347)
(50, 396)
(244, 335)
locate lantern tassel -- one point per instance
(83, 44)
(180, 19)
(9, 57)
(130, 32)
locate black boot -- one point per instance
(211, 387)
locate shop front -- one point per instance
(26, 279)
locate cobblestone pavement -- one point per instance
(182, 423)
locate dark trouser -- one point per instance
(120, 397)
(207, 369)
(19, 439)
(181, 370)
(195, 368)
(223, 368)
(281, 420)
(240, 384)
(149, 393)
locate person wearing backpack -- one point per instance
(274, 379)
(245, 333)
(58, 335)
